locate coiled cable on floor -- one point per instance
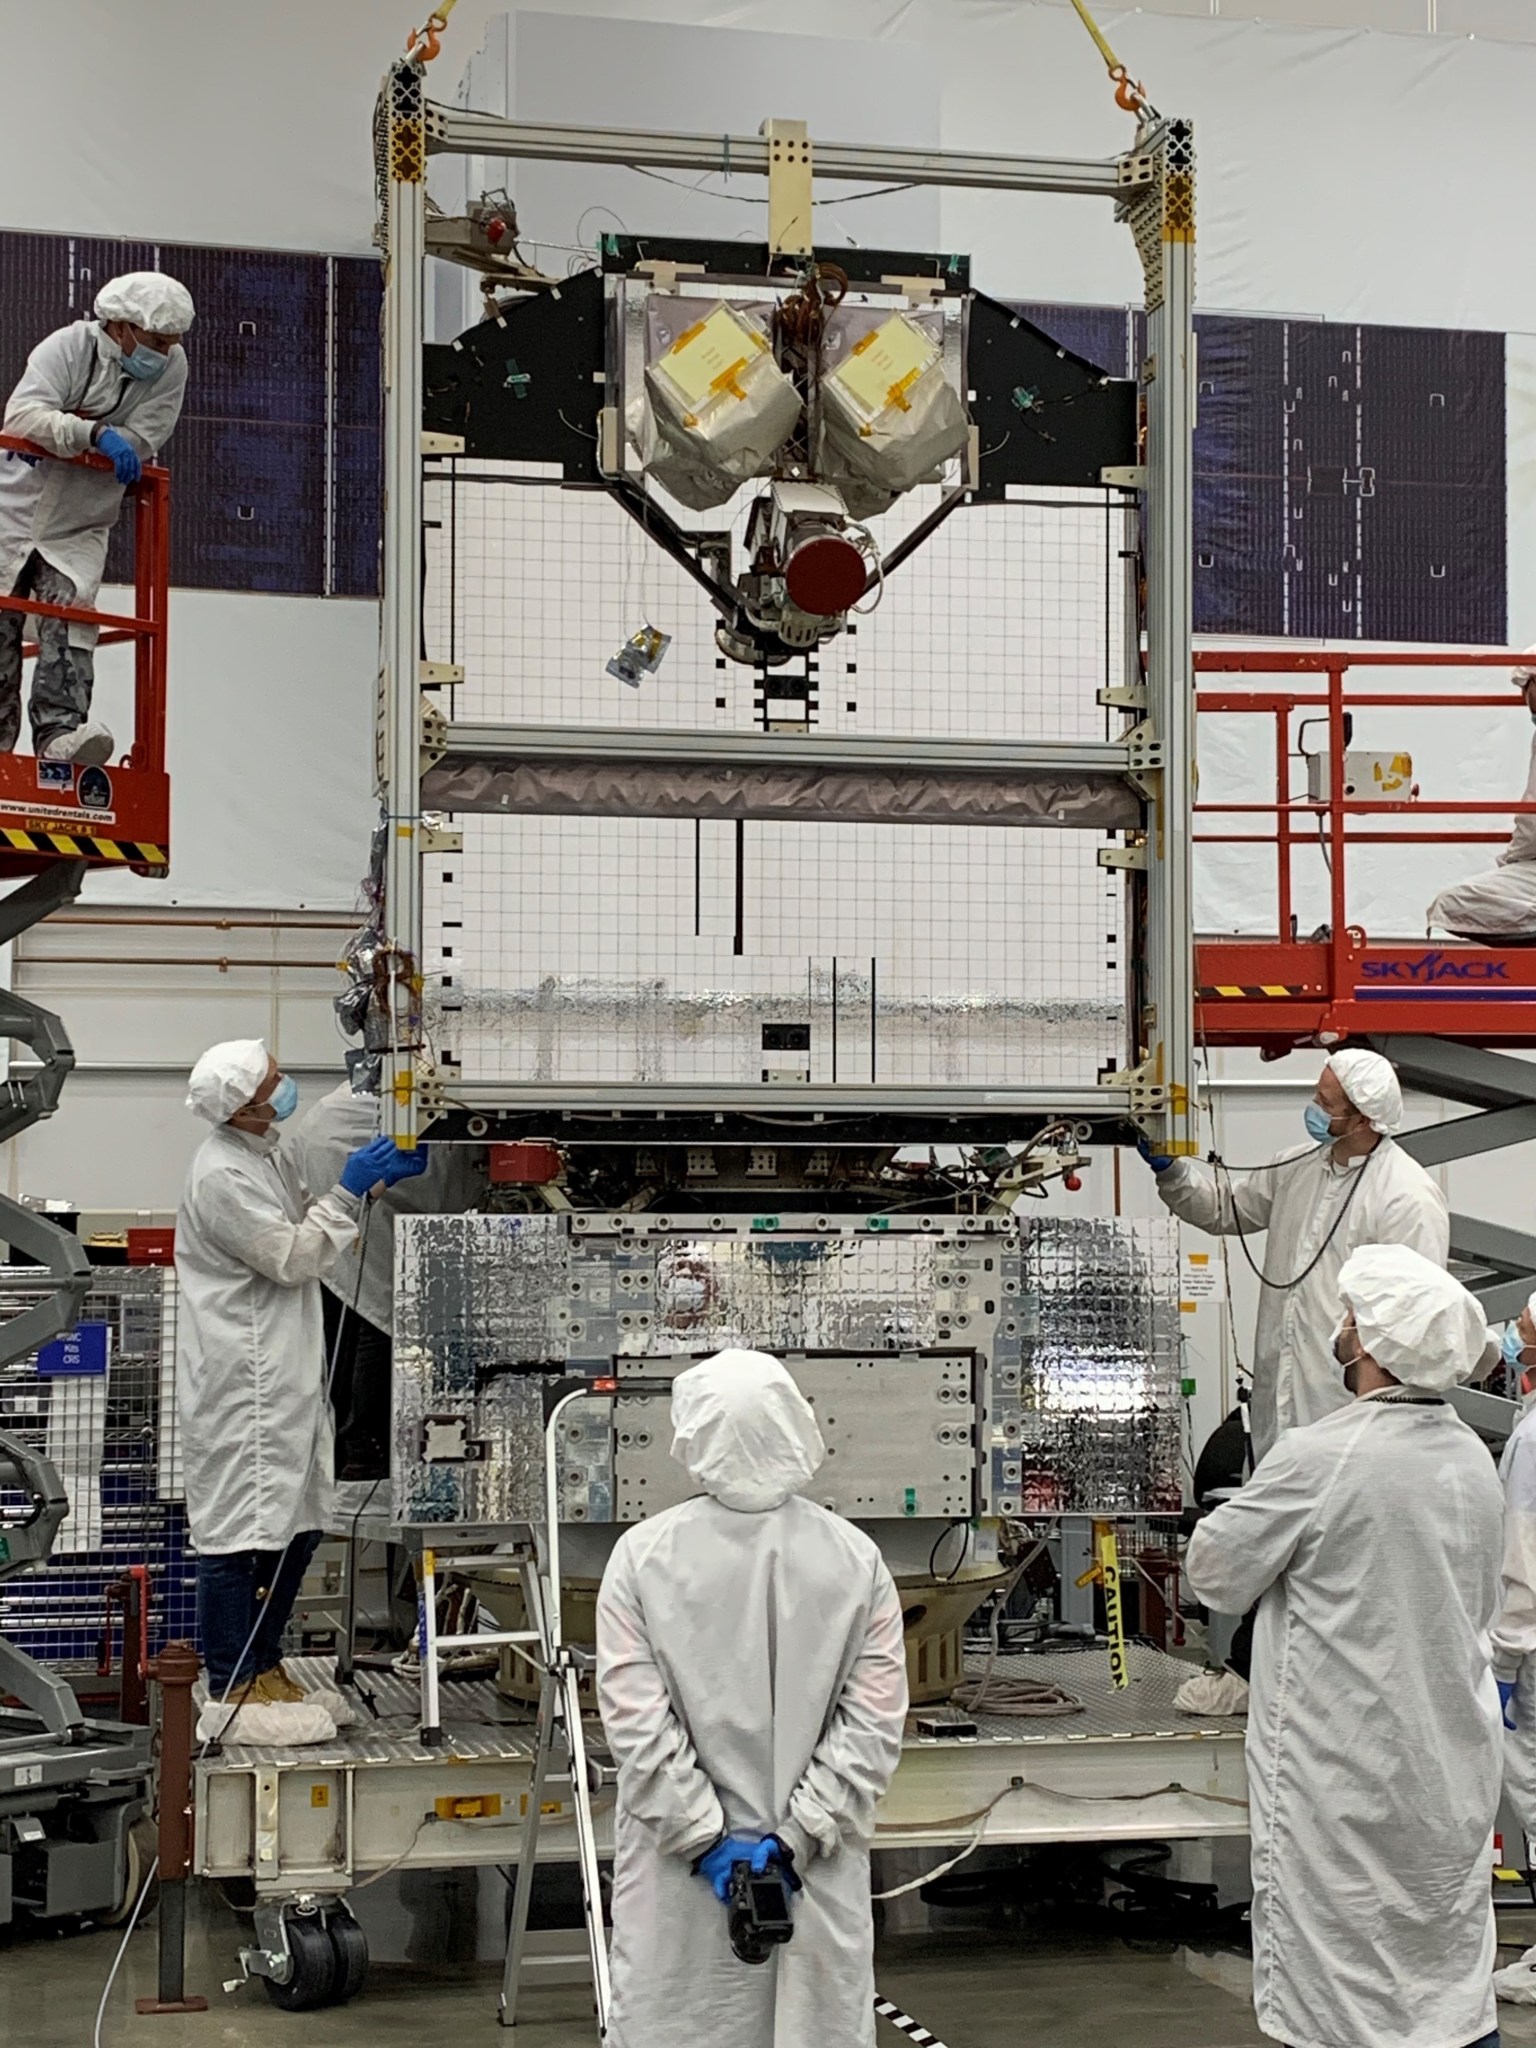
(994, 1693)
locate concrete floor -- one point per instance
(974, 1990)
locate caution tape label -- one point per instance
(85, 846)
(1249, 992)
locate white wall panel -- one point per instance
(269, 742)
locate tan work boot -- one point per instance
(275, 1688)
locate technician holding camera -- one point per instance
(753, 1686)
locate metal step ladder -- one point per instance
(561, 1755)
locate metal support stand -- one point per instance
(1502, 1089)
(176, 1670)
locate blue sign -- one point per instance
(80, 1355)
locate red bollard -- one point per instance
(175, 1671)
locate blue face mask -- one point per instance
(284, 1098)
(1512, 1345)
(144, 363)
(1318, 1122)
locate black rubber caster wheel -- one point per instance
(349, 1946)
(313, 1975)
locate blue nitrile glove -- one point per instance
(782, 1859)
(368, 1165)
(715, 1865)
(126, 465)
(1507, 1700)
(1158, 1161)
(405, 1165)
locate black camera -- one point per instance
(758, 1912)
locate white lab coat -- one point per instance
(1370, 1541)
(752, 1678)
(1500, 903)
(74, 377)
(1514, 1628)
(364, 1275)
(256, 1442)
(1295, 1205)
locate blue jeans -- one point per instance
(244, 1600)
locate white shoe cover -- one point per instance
(88, 746)
(337, 1704)
(282, 1726)
(1213, 1692)
(1516, 1985)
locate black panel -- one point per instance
(1239, 453)
(1099, 334)
(1045, 415)
(1434, 429)
(253, 517)
(357, 439)
(249, 496)
(1349, 482)
(525, 388)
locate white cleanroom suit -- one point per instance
(250, 1355)
(752, 1680)
(75, 381)
(1371, 1542)
(1296, 1201)
(1514, 1653)
(1499, 903)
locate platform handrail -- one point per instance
(145, 626)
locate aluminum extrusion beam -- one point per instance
(792, 1098)
(402, 149)
(1163, 222)
(457, 131)
(782, 750)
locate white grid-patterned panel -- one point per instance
(1004, 623)
(605, 950)
(640, 950)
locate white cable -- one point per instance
(122, 1950)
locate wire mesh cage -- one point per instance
(101, 1406)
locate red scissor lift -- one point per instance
(56, 823)
(1449, 1013)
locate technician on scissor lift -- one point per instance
(114, 385)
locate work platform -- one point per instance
(1275, 989)
(318, 1820)
(1278, 995)
(119, 815)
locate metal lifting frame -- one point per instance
(1152, 188)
